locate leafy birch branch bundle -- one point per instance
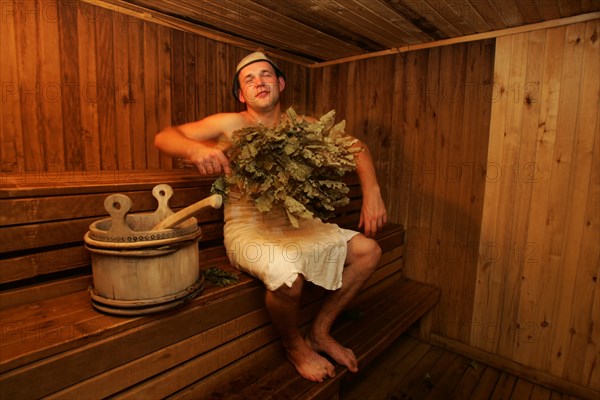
(298, 166)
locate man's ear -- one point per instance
(241, 96)
(281, 84)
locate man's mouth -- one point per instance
(262, 94)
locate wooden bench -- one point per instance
(54, 344)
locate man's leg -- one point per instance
(361, 261)
(283, 305)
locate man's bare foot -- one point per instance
(331, 347)
(309, 364)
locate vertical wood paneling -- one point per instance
(583, 355)
(536, 299)
(86, 89)
(165, 88)
(106, 90)
(151, 92)
(27, 33)
(88, 92)
(136, 96)
(70, 101)
(51, 87)
(11, 130)
(123, 92)
(425, 117)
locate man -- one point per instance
(258, 83)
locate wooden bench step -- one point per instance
(69, 348)
(266, 374)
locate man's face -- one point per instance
(260, 87)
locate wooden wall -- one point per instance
(86, 89)
(425, 117)
(491, 159)
(537, 299)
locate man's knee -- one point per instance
(291, 293)
(365, 251)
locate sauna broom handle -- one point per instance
(173, 220)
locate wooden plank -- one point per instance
(541, 310)
(122, 96)
(28, 266)
(467, 382)
(26, 237)
(487, 291)
(178, 83)
(11, 132)
(582, 233)
(105, 74)
(165, 95)
(486, 384)
(44, 291)
(504, 387)
(136, 94)
(27, 30)
(559, 228)
(445, 382)
(89, 90)
(151, 98)
(70, 99)
(56, 208)
(525, 173)
(396, 205)
(51, 127)
(476, 116)
(522, 390)
(61, 183)
(190, 93)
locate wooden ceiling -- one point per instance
(312, 31)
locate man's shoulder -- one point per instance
(227, 121)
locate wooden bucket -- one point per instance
(137, 270)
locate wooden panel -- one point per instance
(487, 218)
(86, 88)
(536, 299)
(425, 117)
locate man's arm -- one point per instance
(196, 142)
(373, 214)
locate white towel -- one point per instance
(267, 247)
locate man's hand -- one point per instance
(209, 160)
(373, 215)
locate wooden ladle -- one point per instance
(173, 220)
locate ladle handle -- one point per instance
(171, 221)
